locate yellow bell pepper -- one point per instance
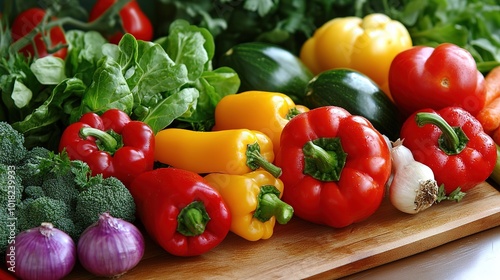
(254, 202)
(264, 111)
(233, 151)
(367, 45)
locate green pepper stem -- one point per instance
(324, 158)
(292, 113)
(256, 160)
(452, 140)
(106, 140)
(192, 219)
(269, 205)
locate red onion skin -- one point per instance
(110, 247)
(43, 257)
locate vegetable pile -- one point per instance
(191, 124)
(49, 187)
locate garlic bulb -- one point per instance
(413, 187)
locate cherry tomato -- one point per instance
(134, 20)
(426, 77)
(29, 19)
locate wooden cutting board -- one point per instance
(301, 249)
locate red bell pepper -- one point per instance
(453, 144)
(180, 210)
(425, 77)
(111, 144)
(335, 166)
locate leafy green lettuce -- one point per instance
(167, 82)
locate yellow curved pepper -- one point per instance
(367, 45)
(233, 151)
(254, 202)
(267, 112)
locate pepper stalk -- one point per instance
(324, 158)
(452, 140)
(106, 141)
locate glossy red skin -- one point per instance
(134, 20)
(162, 193)
(29, 19)
(416, 76)
(359, 192)
(136, 155)
(466, 169)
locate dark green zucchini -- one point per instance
(267, 67)
(359, 95)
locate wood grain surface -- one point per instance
(300, 249)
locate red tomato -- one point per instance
(425, 77)
(29, 19)
(134, 20)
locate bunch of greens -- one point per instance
(171, 79)
(285, 23)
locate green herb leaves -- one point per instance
(162, 81)
(170, 79)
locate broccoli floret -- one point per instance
(33, 212)
(30, 168)
(61, 187)
(68, 196)
(12, 146)
(33, 192)
(11, 189)
(111, 196)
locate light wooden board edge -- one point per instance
(327, 253)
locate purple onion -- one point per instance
(42, 253)
(110, 247)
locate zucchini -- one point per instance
(359, 95)
(267, 67)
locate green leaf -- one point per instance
(109, 89)
(21, 94)
(213, 86)
(189, 45)
(52, 109)
(84, 51)
(224, 80)
(262, 7)
(450, 33)
(125, 53)
(156, 72)
(170, 108)
(49, 70)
